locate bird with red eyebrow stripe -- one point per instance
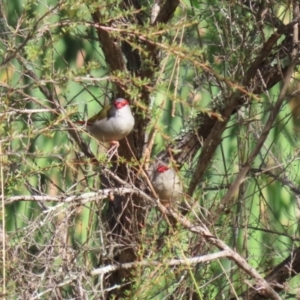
(112, 123)
(166, 184)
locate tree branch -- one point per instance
(80, 199)
(162, 11)
(289, 268)
(273, 115)
(262, 285)
(110, 48)
(173, 262)
(213, 138)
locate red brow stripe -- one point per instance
(121, 104)
(162, 168)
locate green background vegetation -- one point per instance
(39, 157)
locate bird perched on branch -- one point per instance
(112, 123)
(166, 184)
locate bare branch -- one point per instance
(288, 268)
(173, 262)
(111, 49)
(240, 261)
(80, 199)
(162, 11)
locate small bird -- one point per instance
(166, 184)
(112, 123)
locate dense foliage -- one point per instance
(214, 89)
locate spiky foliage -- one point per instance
(214, 90)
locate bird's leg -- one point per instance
(114, 145)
